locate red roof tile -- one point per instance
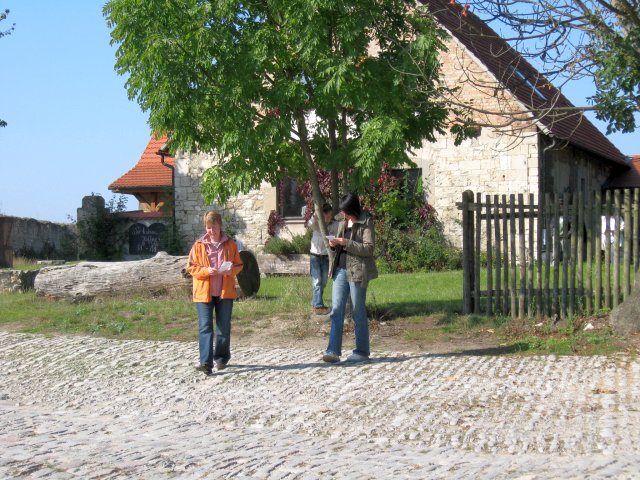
(628, 179)
(149, 173)
(505, 64)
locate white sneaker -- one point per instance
(356, 357)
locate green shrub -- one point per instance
(409, 236)
(416, 250)
(299, 244)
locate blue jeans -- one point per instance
(341, 289)
(222, 351)
(319, 268)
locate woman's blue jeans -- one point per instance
(222, 350)
(339, 294)
(319, 269)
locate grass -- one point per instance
(23, 263)
(414, 311)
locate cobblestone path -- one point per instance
(78, 407)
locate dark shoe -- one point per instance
(321, 310)
(204, 367)
(330, 357)
(220, 365)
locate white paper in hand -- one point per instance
(331, 237)
(226, 265)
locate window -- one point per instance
(290, 201)
(521, 76)
(410, 178)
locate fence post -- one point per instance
(616, 249)
(589, 219)
(597, 251)
(505, 252)
(530, 296)
(555, 307)
(635, 230)
(607, 249)
(489, 259)
(522, 255)
(467, 251)
(627, 239)
(573, 260)
(476, 261)
(496, 221)
(512, 232)
(566, 252)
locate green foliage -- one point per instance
(101, 235)
(172, 241)
(409, 235)
(299, 244)
(618, 76)
(415, 250)
(282, 88)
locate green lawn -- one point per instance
(422, 307)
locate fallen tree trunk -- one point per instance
(88, 280)
(153, 276)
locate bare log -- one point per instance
(162, 273)
(88, 280)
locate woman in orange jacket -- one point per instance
(213, 263)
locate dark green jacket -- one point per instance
(361, 266)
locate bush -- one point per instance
(409, 236)
(416, 250)
(102, 235)
(299, 244)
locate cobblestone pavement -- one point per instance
(78, 407)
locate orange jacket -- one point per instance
(198, 264)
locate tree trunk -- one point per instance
(88, 280)
(154, 276)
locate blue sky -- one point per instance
(72, 131)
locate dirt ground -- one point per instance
(398, 335)
(426, 335)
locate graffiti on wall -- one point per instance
(145, 240)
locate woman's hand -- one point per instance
(212, 271)
(337, 241)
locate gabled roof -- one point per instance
(525, 82)
(628, 179)
(149, 173)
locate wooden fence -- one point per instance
(564, 255)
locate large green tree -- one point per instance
(284, 87)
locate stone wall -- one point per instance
(245, 216)
(44, 239)
(498, 161)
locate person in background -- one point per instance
(213, 262)
(319, 259)
(352, 267)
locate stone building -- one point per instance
(150, 181)
(551, 155)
